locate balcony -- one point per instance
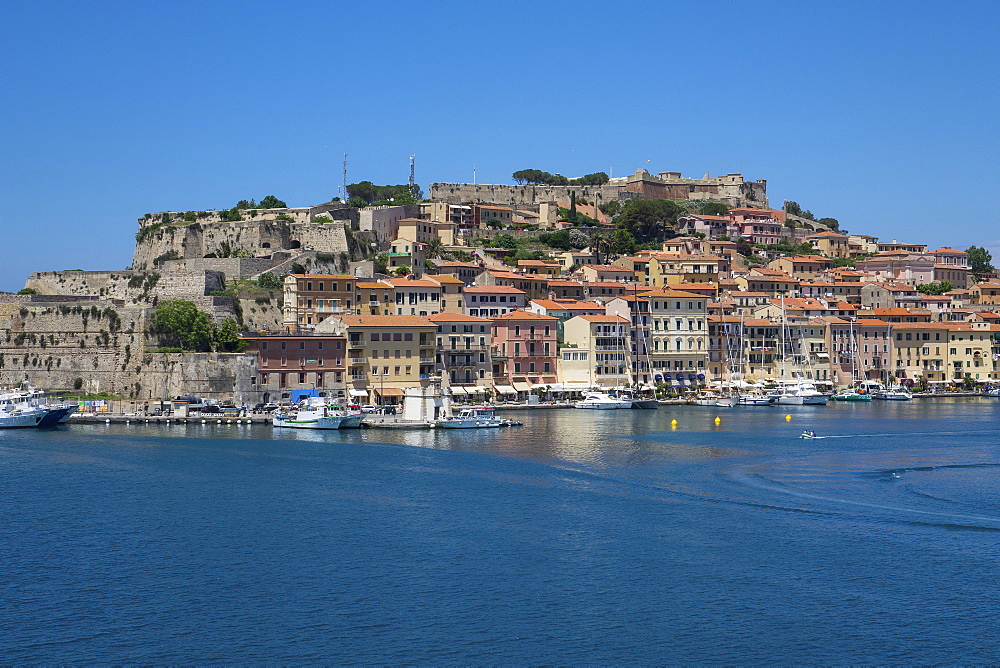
(359, 377)
(428, 360)
(359, 360)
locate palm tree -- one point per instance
(434, 248)
(597, 242)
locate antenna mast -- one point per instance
(413, 183)
(343, 184)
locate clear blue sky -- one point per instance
(880, 114)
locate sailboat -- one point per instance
(800, 392)
(851, 393)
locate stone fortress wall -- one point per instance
(732, 189)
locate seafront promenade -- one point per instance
(378, 421)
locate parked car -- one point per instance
(212, 408)
(368, 408)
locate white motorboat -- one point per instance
(991, 392)
(602, 401)
(893, 394)
(751, 399)
(318, 417)
(799, 394)
(472, 418)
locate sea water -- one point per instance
(592, 537)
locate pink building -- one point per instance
(525, 350)
(758, 226)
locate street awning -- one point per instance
(822, 355)
(522, 387)
(505, 389)
(391, 391)
(359, 393)
(458, 390)
(475, 389)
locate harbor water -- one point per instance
(598, 537)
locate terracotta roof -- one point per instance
(603, 318)
(524, 315)
(384, 320)
(455, 317)
(374, 285)
(444, 278)
(949, 249)
(493, 289)
(566, 305)
(412, 283)
(312, 276)
(665, 292)
(826, 233)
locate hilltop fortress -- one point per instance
(731, 189)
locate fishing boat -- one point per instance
(602, 401)
(473, 418)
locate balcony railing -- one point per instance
(359, 360)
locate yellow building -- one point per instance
(386, 354)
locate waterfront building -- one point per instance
(595, 352)
(679, 332)
(524, 350)
(563, 310)
(463, 350)
(385, 353)
(635, 309)
(309, 298)
(304, 363)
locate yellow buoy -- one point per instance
(718, 420)
(788, 418)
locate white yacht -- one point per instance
(602, 401)
(801, 393)
(472, 418)
(893, 394)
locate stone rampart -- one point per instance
(102, 346)
(130, 286)
(519, 195)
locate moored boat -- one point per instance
(473, 418)
(893, 394)
(318, 417)
(799, 394)
(852, 395)
(18, 418)
(602, 401)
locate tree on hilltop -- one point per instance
(979, 261)
(270, 202)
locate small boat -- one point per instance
(602, 401)
(991, 392)
(640, 403)
(318, 417)
(750, 399)
(852, 395)
(893, 394)
(511, 423)
(809, 433)
(474, 418)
